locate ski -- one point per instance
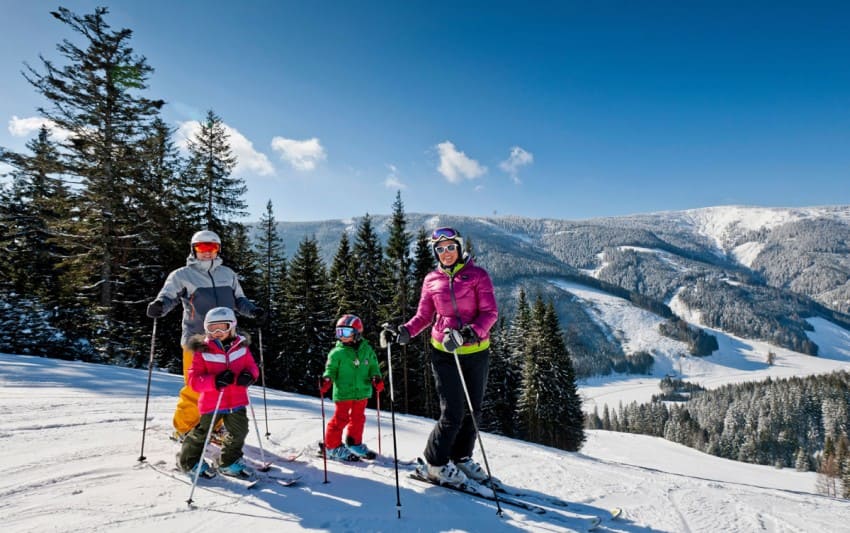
(550, 500)
(247, 482)
(282, 480)
(503, 499)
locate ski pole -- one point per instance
(378, 409)
(148, 393)
(266, 466)
(206, 442)
(324, 448)
(385, 342)
(458, 339)
(263, 382)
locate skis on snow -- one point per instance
(506, 496)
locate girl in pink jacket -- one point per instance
(222, 369)
(458, 297)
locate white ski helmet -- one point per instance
(204, 236)
(219, 315)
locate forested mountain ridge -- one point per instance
(752, 271)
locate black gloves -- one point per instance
(260, 315)
(156, 309)
(244, 379)
(403, 336)
(469, 335)
(452, 339)
(223, 379)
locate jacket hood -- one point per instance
(197, 343)
(194, 262)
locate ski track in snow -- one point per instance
(71, 449)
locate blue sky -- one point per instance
(569, 110)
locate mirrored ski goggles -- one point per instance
(448, 248)
(345, 331)
(442, 234)
(206, 247)
(219, 327)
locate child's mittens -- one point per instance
(244, 379)
(325, 385)
(223, 379)
(378, 384)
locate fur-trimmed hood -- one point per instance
(198, 342)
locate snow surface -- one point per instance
(737, 360)
(72, 434)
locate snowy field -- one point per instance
(737, 360)
(71, 440)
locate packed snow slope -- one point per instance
(71, 436)
(737, 360)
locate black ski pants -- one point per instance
(453, 437)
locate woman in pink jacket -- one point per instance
(458, 297)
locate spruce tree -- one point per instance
(503, 382)
(399, 277)
(96, 97)
(520, 349)
(370, 282)
(164, 240)
(567, 417)
(342, 276)
(421, 393)
(215, 198)
(271, 264)
(311, 323)
(30, 207)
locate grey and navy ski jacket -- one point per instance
(200, 286)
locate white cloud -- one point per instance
(302, 155)
(248, 159)
(23, 127)
(455, 165)
(518, 158)
(392, 181)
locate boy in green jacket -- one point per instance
(352, 368)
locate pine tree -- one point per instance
(163, 239)
(503, 382)
(370, 283)
(399, 277)
(342, 276)
(30, 207)
(311, 323)
(550, 405)
(520, 349)
(271, 269)
(95, 98)
(421, 393)
(215, 198)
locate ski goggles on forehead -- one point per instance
(345, 331)
(206, 247)
(447, 248)
(441, 234)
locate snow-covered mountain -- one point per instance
(72, 435)
(752, 272)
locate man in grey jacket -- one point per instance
(204, 283)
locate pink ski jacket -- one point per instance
(473, 295)
(211, 359)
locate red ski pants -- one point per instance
(350, 415)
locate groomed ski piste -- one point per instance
(71, 437)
